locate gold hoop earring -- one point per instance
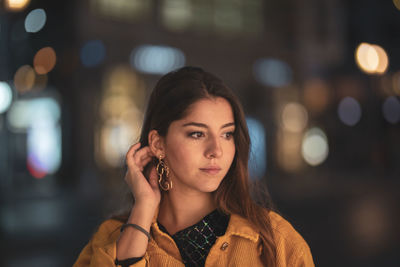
(163, 174)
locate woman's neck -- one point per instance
(179, 211)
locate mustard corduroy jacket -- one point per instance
(238, 247)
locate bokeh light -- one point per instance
(16, 5)
(24, 78)
(120, 115)
(125, 10)
(93, 53)
(35, 20)
(385, 87)
(367, 57)
(294, 117)
(228, 17)
(349, 111)
(370, 224)
(5, 96)
(121, 80)
(396, 82)
(116, 136)
(316, 95)
(176, 14)
(314, 147)
(44, 148)
(156, 59)
(115, 106)
(272, 72)
(258, 154)
(391, 109)
(18, 116)
(44, 60)
(40, 119)
(371, 59)
(24, 113)
(383, 62)
(289, 150)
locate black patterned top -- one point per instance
(194, 243)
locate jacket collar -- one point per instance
(237, 226)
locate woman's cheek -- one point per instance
(179, 156)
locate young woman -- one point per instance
(189, 178)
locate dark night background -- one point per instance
(67, 128)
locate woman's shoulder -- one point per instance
(289, 243)
(283, 229)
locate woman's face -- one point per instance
(199, 149)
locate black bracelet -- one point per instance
(141, 229)
(128, 262)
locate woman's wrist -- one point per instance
(142, 215)
(145, 204)
(133, 242)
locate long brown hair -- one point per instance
(169, 101)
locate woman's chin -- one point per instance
(211, 187)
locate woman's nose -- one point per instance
(214, 149)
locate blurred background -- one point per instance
(319, 81)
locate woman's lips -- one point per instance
(211, 170)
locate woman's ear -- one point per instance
(156, 143)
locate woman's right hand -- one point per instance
(131, 242)
(145, 191)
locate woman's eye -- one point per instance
(228, 135)
(196, 135)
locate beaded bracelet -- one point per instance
(141, 229)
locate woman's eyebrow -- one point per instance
(202, 125)
(228, 125)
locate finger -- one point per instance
(143, 156)
(142, 151)
(131, 151)
(144, 162)
(153, 179)
(134, 147)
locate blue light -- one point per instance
(93, 53)
(272, 72)
(155, 59)
(35, 20)
(258, 153)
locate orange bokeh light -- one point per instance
(16, 5)
(44, 60)
(24, 78)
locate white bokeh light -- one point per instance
(314, 147)
(5, 97)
